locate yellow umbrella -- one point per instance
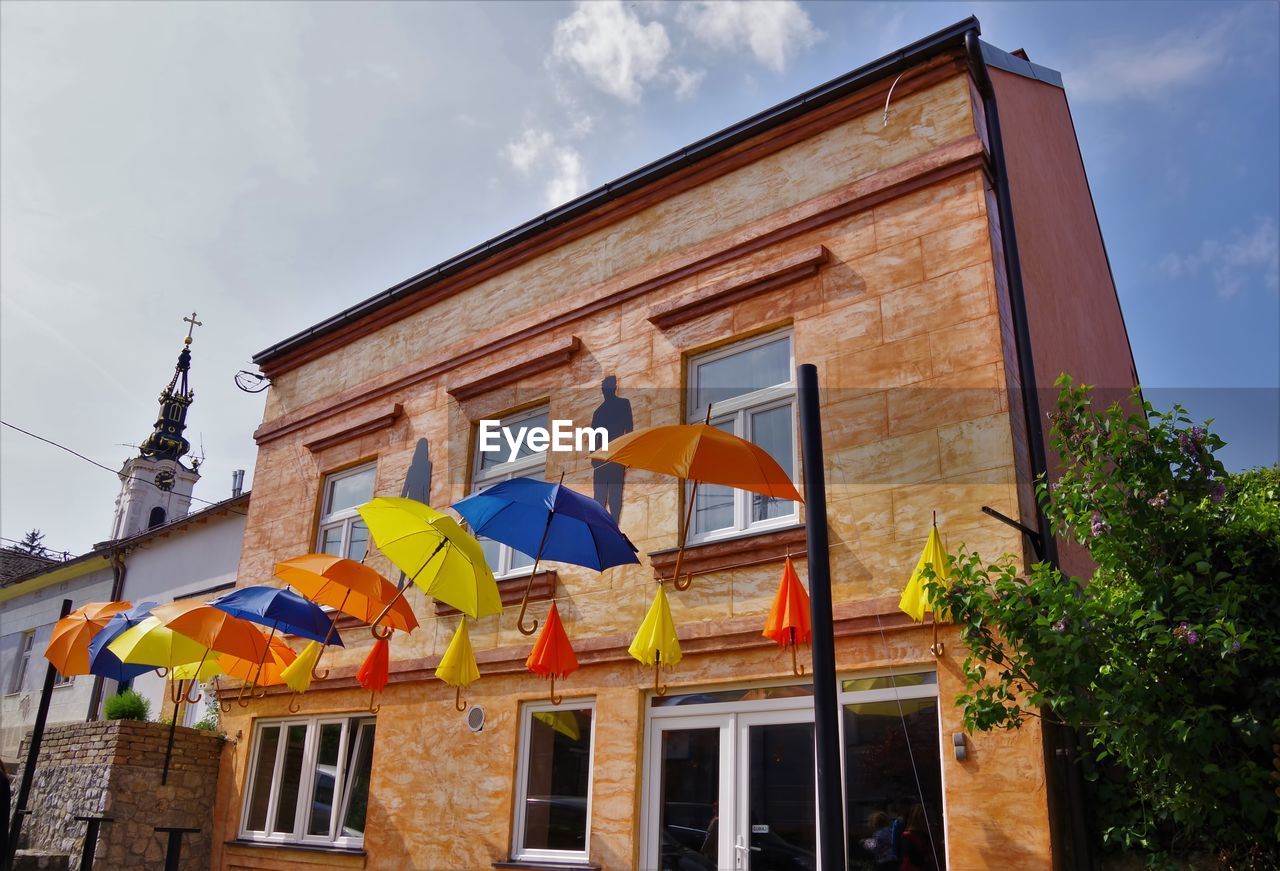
(564, 722)
(656, 643)
(434, 551)
(153, 643)
(201, 670)
(458, 667)
(916, 599)
(298, 674)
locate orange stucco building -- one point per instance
(937, 265)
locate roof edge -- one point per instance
(888, 65)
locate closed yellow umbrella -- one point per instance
(656, 642)
(435, 552)
(916, 599)
(458, 666)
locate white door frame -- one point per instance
(741, 824)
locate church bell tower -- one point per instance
(156, 486)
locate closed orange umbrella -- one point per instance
(703, 454)
(68, 648)
(553, 655)
(375, 670)
(788, 621)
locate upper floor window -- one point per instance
(308, 781)
(18, 682)
(492, 466)
(750, 387)
(553, 782)
(342, 532)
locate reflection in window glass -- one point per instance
(893, 772)
(559, 776)
(348, 491)
(772, 430)
(745, 372)
(290, 777)
(359, 761)
(689, 796)
(324, 781)
(890, 681)
(261, 796)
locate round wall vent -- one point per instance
(475, 718)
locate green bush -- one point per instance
(1166, 659)
(128, 705)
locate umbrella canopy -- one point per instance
(268, 673)
(915, 598)
(435, 552)
(201, 670)
(656, 641)
(68, 648)
(552, 654)
(152, 643)
(102, 661)
(701, 452)
(347, 586)
(547, 521)
(280, 609)
(788, 621)
(214, 628)
(458, 666)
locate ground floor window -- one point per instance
(730, 778)
(553, 782)
(308, 781)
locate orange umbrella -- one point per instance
(788, 622)
(375, 670)
(347, 586)
(267, 673)
(68, 648)
(701, 453)
(553, 655)
(214, 628)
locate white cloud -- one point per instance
(686, 81)
(1123, 71)
(524, 152)
(771, 30)
(537, 151)
(1252, 255)
(608, 44)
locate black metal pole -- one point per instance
(33, 753)
(826, 723)
(173, 727)
(173, 851)
(90, 840)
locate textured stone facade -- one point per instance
(904, 321)
(113, 768)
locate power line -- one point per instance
(50, 550)
(106, 468)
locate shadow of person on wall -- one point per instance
(613, 414)
(417, 482)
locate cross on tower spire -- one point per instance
(166, 442)
(194, 323)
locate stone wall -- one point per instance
(113, 768)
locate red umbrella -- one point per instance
(788, 622)
(553, 655)
(376, 669)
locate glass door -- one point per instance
(776, 824)
(690, 767)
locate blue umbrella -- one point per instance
(282, 610)
(103, 662)
(547, 521)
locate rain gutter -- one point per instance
(950, 38)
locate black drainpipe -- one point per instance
(117, 590)
(1065, 787)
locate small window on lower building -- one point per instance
(553, 782)
(308, 781)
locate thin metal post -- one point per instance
(173, 850)
(90, 840)
(33, 753)
(826, 723)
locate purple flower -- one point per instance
(1061, 625)
(1217, 491)
(1098, 526)
(1192, 638)
(1235, 648)
(1160, 500)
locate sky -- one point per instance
(270, 164)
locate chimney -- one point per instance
(237, 483)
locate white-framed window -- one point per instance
(342, 532)
(308, 781)
(750, 387)
(493, 466)
(553, 782)
(18, 681)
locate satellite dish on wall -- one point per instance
(475, 718)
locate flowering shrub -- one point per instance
(1168, 658)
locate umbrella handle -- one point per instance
(374, 627)
(223, 705)
(524, 603)
(658, 689)
(195, 685)
(796, 668)
(554, 700)
(294, 700)
(240, 699)
(333, 625)
(162, 673)
(373, 709)
(458, 703)
(175, 694)
(684, 538)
